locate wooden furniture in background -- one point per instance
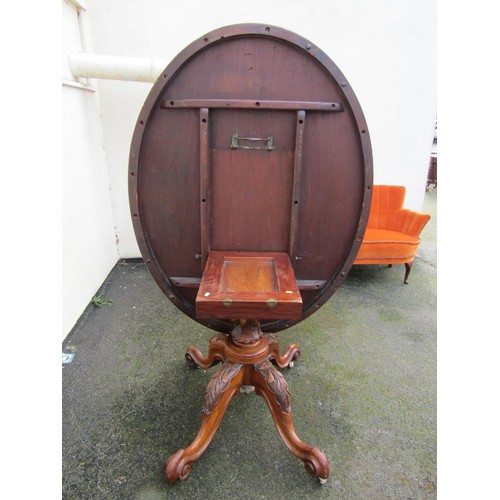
(392, 233)
(432, 176)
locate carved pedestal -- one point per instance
(246, 357)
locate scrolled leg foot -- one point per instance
(190, 359)
(177, 467)
(316, 464)
(295, 355)
(215, 355)
(290, 355)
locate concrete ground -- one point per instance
(363, 391)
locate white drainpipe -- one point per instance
(115, 68)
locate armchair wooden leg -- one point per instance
(215, 353)
(408, 267)
(221, 388)
(290, 355)
(271, 385)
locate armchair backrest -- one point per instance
(387, 208)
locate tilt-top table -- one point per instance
(250, 183)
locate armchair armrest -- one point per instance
(414, 222)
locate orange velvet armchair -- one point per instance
(392, 232)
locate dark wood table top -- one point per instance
(252, 140)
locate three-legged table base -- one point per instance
(246, 357)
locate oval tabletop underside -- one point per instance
(252, 140)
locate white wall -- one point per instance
(385, 48)
(88, 234)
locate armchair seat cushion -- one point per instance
(385, 245)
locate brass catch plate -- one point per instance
(271, 303)
(235, 142)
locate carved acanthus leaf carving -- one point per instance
(218, 339)
(276, 382)
(219, 383)
(272, 338)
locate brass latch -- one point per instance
(236, 145)
(271, 303)
(227, 302)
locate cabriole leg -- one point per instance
(221, 388)
(215, 353)
(290, 355)
(271, 385)
(408, 267)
